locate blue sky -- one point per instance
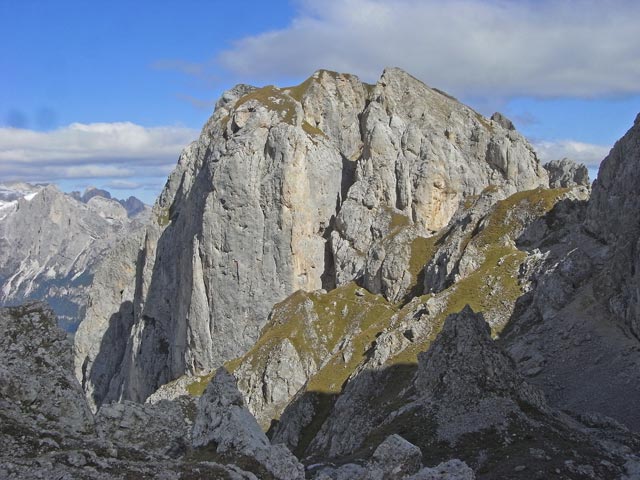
(107, 93)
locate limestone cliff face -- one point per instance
(423, 152)
(288, 189)
(612, 217)
(575, 333)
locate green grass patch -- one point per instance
(275, 100)
(197, 388)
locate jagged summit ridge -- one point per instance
(293, 188)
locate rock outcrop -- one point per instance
(48, 431)
(294, 189)
(567, 173)
(580, 319)
(314, 342)
(225, 425)
(465, 399)
(396, 459)
(38, 390)
(132, 205)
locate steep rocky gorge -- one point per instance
(287, 189)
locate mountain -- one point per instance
(382, 280)
(132, 205)
(306, 187)
(50, 245)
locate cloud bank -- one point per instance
(90, 151)
(500, 48)
(589, 154)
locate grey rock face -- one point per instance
(503, 121)
(295, 188)
(580, 318)
(423, 153)
(464, 382)
(464, 396)
(566, 173)
(611, 217)
(132, 205)
(163, 428)
(224, 422)
(38, 387)
(470, 383)
(395, 458)
(450, 470)
(48, 431)
(51, 244)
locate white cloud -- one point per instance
(589, 154)
(96, 150)
(124, 184)
(467, 47)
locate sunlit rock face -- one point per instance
(287, 189)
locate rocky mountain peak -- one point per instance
(50, 245)
(303, 187)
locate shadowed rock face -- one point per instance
(465, 399)
(48, 431)
(287, 189)
(612, 218)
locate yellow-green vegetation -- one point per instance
(311, 130)
(163, 217)
(493, 287)
(299, 91)
(483, 121)
(274, 99)
(197, 388)
(317, 323)
(282, 101)
(422, 250)
(314, 323)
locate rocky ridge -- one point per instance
(48, 431)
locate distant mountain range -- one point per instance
(51, 242)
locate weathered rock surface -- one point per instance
(396, 459)
(37, 387)
(423, 153)
(567, 173)
(296, 188)
(322, 339)
(579, 321)
(224, 423)
(48, 431)
(465, 398)
(51, 245)
(132, 205)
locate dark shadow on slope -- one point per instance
(563, 334)
(111, 353)
(542, 443)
